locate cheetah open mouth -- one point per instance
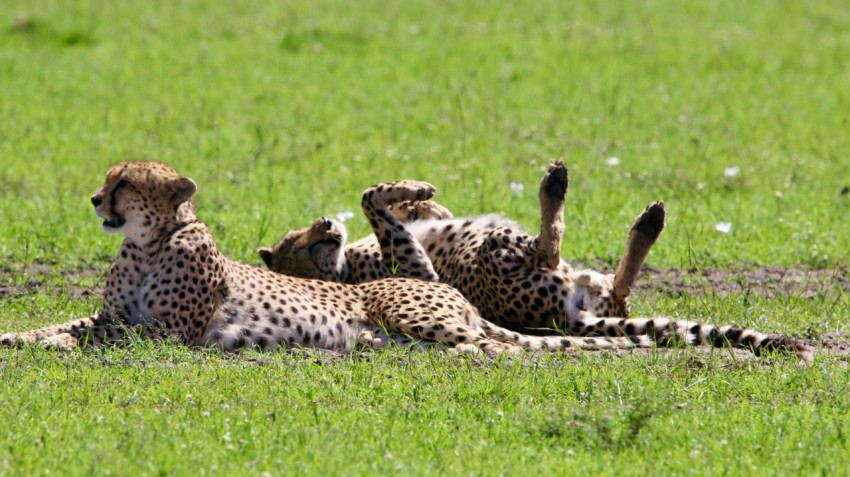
(115, 222)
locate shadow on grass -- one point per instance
(42, 32)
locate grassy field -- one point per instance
(731, 112)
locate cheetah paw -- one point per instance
(408, 189)
(16, 339)
(409, 211)
(650, 223)
(556, 180)
(60, 342)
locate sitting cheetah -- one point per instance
(517, 281)
(169, 279)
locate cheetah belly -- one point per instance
(452, 246)
(232, 334)
(292, 316)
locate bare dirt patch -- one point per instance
(764, 281)
(81, 281)
(838, 343)
(769, 281)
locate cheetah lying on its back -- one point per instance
(516, 280)
(169, 279)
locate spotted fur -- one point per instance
(170, 280)
(516, 280)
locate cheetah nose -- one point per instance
(95, 200)
(327, 222)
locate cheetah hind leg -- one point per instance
(643, 234)
(402, 254)
(553, 190)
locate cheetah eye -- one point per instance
(118, 187)
(321, 244)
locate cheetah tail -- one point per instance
(669, 332)
(564, 343)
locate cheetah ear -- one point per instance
(266, 255)
(182, 189)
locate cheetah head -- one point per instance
(607, 295)
(139, 199)
(596, 293)
(313, 252)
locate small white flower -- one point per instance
(344, 215)
(723, 227)
(612, 161)
(517, 188)
(732, 171)
(226, 437)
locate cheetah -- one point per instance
(169, 281)
(516, 280)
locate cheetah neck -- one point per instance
(161, 236)
(342, 274)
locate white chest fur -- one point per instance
(129, 289)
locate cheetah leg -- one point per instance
(29, 337)
(553, 190)
(88, 332)
(437, 312)
(669, 332)
(642, 236)
(402, 253)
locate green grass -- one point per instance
(285, 111)
(175, 411)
